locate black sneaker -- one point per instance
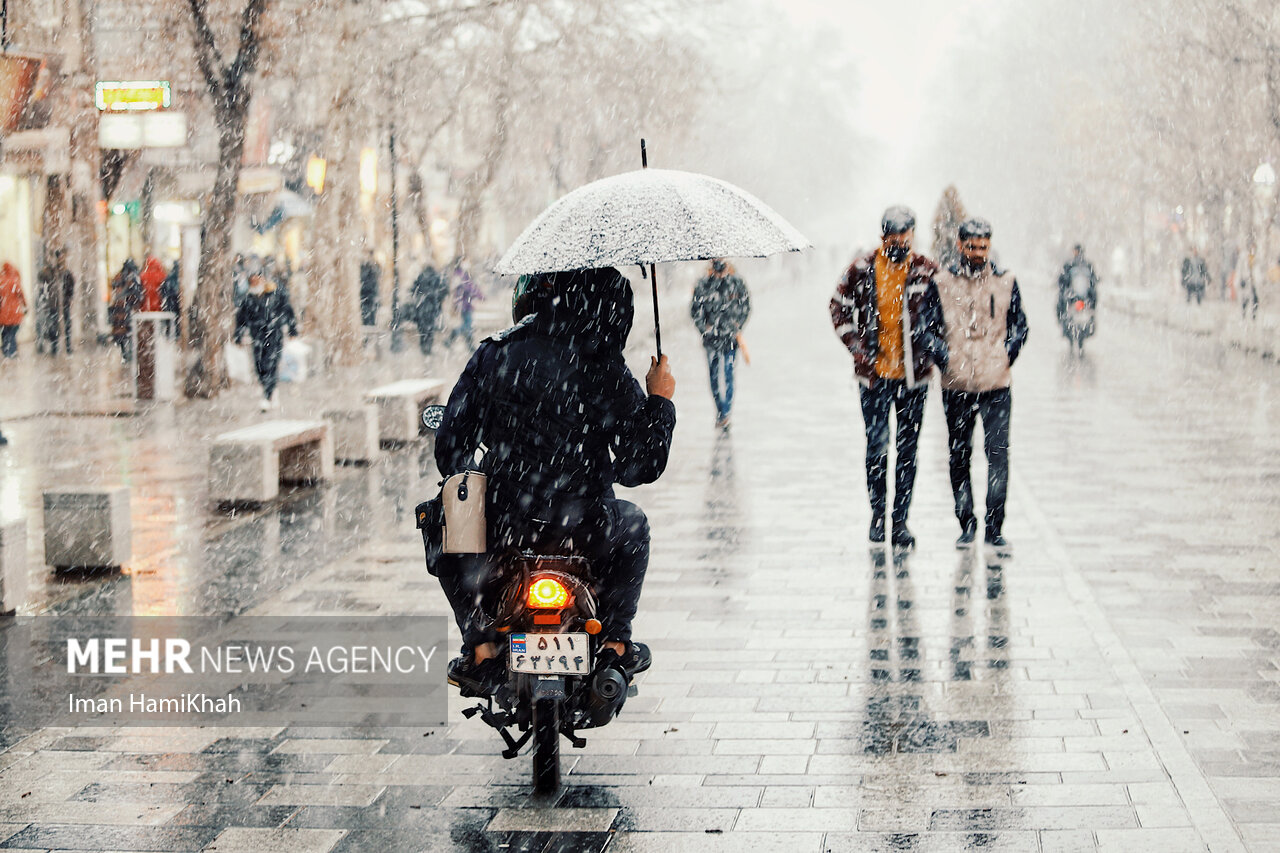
(999, 543)
(477, 679)
(3, 440)
(637, 659)
(968, 533)
(902, 538)
(876, 534)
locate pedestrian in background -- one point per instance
(370, 274)
(152, 278)
(13, 307)
(46, 308)
(466, 293)
(264, 314)
(886, 313)
(985, 329)
(429, 291)
(1195, 276)
(65, 289)
(720, 308)
(125, 298)
(171, 297)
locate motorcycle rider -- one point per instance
(1077, 267)
(561, 419)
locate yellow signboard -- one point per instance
(132, 95)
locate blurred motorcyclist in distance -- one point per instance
(1076, 281)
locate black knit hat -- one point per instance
(975, 227)
(897, 220)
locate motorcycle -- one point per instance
(1077, 324)
(556, 685)
(1077, 315)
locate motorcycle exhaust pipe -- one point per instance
(608, 684)
(606, 691)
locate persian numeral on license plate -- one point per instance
(550, 654)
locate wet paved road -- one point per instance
(1111, 686)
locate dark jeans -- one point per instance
(368, 311)
(876, 403)
(9, 340)
(614, 537)
(963, 410)
(463, 331)
(54, 331)
(426, 332)
(721, 361)
(266, 360)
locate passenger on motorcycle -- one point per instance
(561, 419)
(1076, 281)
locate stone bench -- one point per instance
(13, 565)
(400, 406)
(355, 433)
(86, 527)
(248, 465)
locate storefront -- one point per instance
(19, 239)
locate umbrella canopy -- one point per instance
(649, 216)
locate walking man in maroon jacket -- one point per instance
(886, 313)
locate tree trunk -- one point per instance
(211, 326)
(339, 237)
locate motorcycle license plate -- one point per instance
(550, 654)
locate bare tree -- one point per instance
(230, 88)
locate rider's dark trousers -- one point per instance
(612, 534)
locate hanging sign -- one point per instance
(132, 95)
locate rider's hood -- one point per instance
(590, 310)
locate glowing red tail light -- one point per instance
(1079, 304)
(547, 594)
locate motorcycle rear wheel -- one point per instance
(546, 746)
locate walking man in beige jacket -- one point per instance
(985, 329)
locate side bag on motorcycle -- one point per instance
(464, 517)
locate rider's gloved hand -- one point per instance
(658, 380)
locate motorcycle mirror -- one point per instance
(432, 417)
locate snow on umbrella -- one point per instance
(649, 216)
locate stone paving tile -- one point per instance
(222, 815)
(280, 840)
(731, 842)
(554, 820)
(999, 842)
(1150, 841)
(91, 837)
(321, 795)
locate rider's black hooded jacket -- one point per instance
(552, 401)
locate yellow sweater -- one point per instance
(891, 281)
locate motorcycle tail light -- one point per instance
(547, 594)
(1079, 304)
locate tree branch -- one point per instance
(207, 56)
(242, 67)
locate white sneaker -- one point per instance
(275, 402)
(264, 404)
